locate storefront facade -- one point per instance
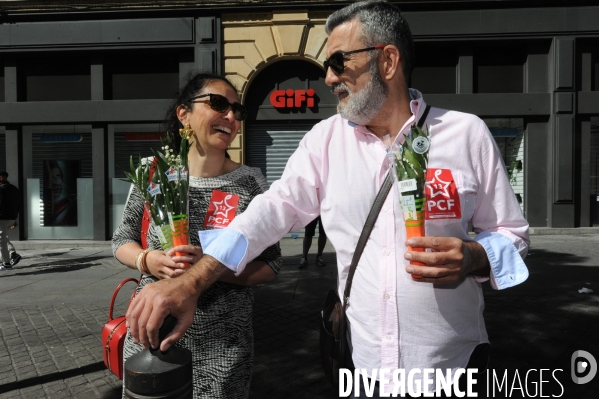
(80, 93)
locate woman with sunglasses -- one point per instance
(207, 113)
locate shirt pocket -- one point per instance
(467, 189)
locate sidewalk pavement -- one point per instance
(55, 303)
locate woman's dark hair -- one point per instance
(194, 85)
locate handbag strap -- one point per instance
(371, 220)
(116, 291)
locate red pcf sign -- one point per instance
(292, 98)
(222, 209)
(442, 196)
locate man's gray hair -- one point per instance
(382, 24)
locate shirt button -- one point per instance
(389, 338)
(386, 296)
(386, 252)
(386, 209)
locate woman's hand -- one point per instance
(193, 254)
(162, 266)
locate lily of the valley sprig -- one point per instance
(166, 192)
(410, 161)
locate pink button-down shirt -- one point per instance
(336, 172)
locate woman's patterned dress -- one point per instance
(220, 338)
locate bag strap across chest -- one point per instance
(371, 220)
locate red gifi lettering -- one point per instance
(300, 96)
(310, 94)
(292, 98)
(277, 98)
(289, 93)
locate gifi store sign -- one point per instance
(292, 98)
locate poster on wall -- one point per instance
(60, 192)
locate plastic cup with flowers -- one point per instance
(410, 161)
(165, 193)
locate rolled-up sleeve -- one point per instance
(498, 221)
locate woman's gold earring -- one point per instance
(186, 132)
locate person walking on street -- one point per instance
(309, 232)
(9, 212)
(402, 315)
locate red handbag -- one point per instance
(113, 335)
(114, 332)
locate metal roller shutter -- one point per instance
(268, 147)
(81, 151)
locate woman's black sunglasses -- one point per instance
(221, 104)
(336, 60)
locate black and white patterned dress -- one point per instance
(220, 338)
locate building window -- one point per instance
(59, 187)
(127, 141)
(56, 78)
(435, 69)
(132, 76)
(499, 69)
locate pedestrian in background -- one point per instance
(322, 241)
(9, 212)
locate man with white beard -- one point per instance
(401, 316)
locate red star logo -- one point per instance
(222, 207)
(438, 186)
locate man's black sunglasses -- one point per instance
(336, 60)
(221, 104)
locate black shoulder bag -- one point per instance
(334, 345)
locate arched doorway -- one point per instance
(284, 101)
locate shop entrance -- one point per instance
(136, 140)
(59, 182)
(285, 100)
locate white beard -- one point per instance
(361, 107)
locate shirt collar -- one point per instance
(417, 107)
